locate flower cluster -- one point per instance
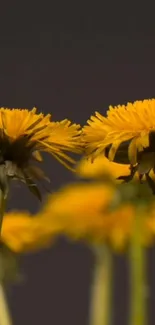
(114, 210)
(121, 147)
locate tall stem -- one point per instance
(2, 208)
(5, 318)
(138, 286)
(100, 306)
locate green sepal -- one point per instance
(33, 188)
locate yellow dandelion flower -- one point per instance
(22, 232)
(102, 166)
(83, 211)
(121, 222)
(118, 226)
(23, 135)
(126, 135)
(79, 208)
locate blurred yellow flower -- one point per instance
(83, 212)
(102, 167)
(126, 135)
(23, 135)
(79, 208)
(22, 232)
(121, 222)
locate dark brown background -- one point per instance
(70, 59)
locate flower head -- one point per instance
(94, 212)
(102, 167)
(22, 232)
(23, 135)
(78, 208)
(125, 135)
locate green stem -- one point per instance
(138, 286)
(100, 307)
(5, 318)
(2, 208)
